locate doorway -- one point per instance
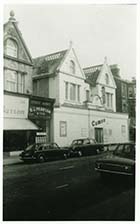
(99, 135)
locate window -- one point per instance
(123, 130)
(21, 83)
(10, 80)
(14, 81)
(124, 90)
(11, 48)
(109, 100)
(63, 128)
(72, 92)
(78, 93)
(106, 78)
(72, 67)
(103, 94)
(87, 95)
(66, 90)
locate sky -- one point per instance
(95, 30)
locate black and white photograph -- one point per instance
(69, 111)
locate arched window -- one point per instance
(106, 78)
(11, 48)
(72, 67)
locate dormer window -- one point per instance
(11, 48)
(72, 67)
(106, 79)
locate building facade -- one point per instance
(126, 99)
(85, 103)
(19, 127)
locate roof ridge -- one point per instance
(94, 66)
(50, 54)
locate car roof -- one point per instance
(82, 139)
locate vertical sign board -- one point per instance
(40, 111)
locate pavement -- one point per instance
(11, 160)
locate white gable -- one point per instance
(11, 31)
(104, 74)
(65, 66)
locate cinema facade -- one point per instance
(85, 99)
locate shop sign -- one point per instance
(39, 109)
(96, 123)
(15, 107)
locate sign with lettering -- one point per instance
(15, 106)
(39, 109)
(95, 123)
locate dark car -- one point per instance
(44, 152)
(85, 146)
(120, 162)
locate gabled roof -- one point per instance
(20, 37)
(48, 64)
(92, 74)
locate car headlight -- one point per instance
(98, 165)
(127, 168)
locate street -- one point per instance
(64, 190)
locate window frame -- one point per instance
(72, 67)
(13, 49)
(63, 128)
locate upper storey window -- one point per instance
(72, 67)
(106, 79)
(11, 48)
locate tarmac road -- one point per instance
(64, 190)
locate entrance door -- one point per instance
(99, 135)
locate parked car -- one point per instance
(44, 152)
(120, 162)
(85, 146)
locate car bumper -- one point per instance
(27, 158)
(114, 172)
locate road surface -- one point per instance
(64, 190)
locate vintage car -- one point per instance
(85, 146)
(120, 162)
(44, 152)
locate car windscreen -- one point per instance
(29, 147)
(126, 151)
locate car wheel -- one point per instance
(97, 151)
(80, 153)
(65, 156)
(41, 158)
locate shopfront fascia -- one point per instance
(40, 113)
(19, 131)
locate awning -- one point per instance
(19, 124)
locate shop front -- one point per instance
(18, 131)
(40, 113)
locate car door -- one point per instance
(87, 147)
(55, 151)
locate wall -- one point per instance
(54, 89)
(41, 87)
(79, 124)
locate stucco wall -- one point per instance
(79, 124)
